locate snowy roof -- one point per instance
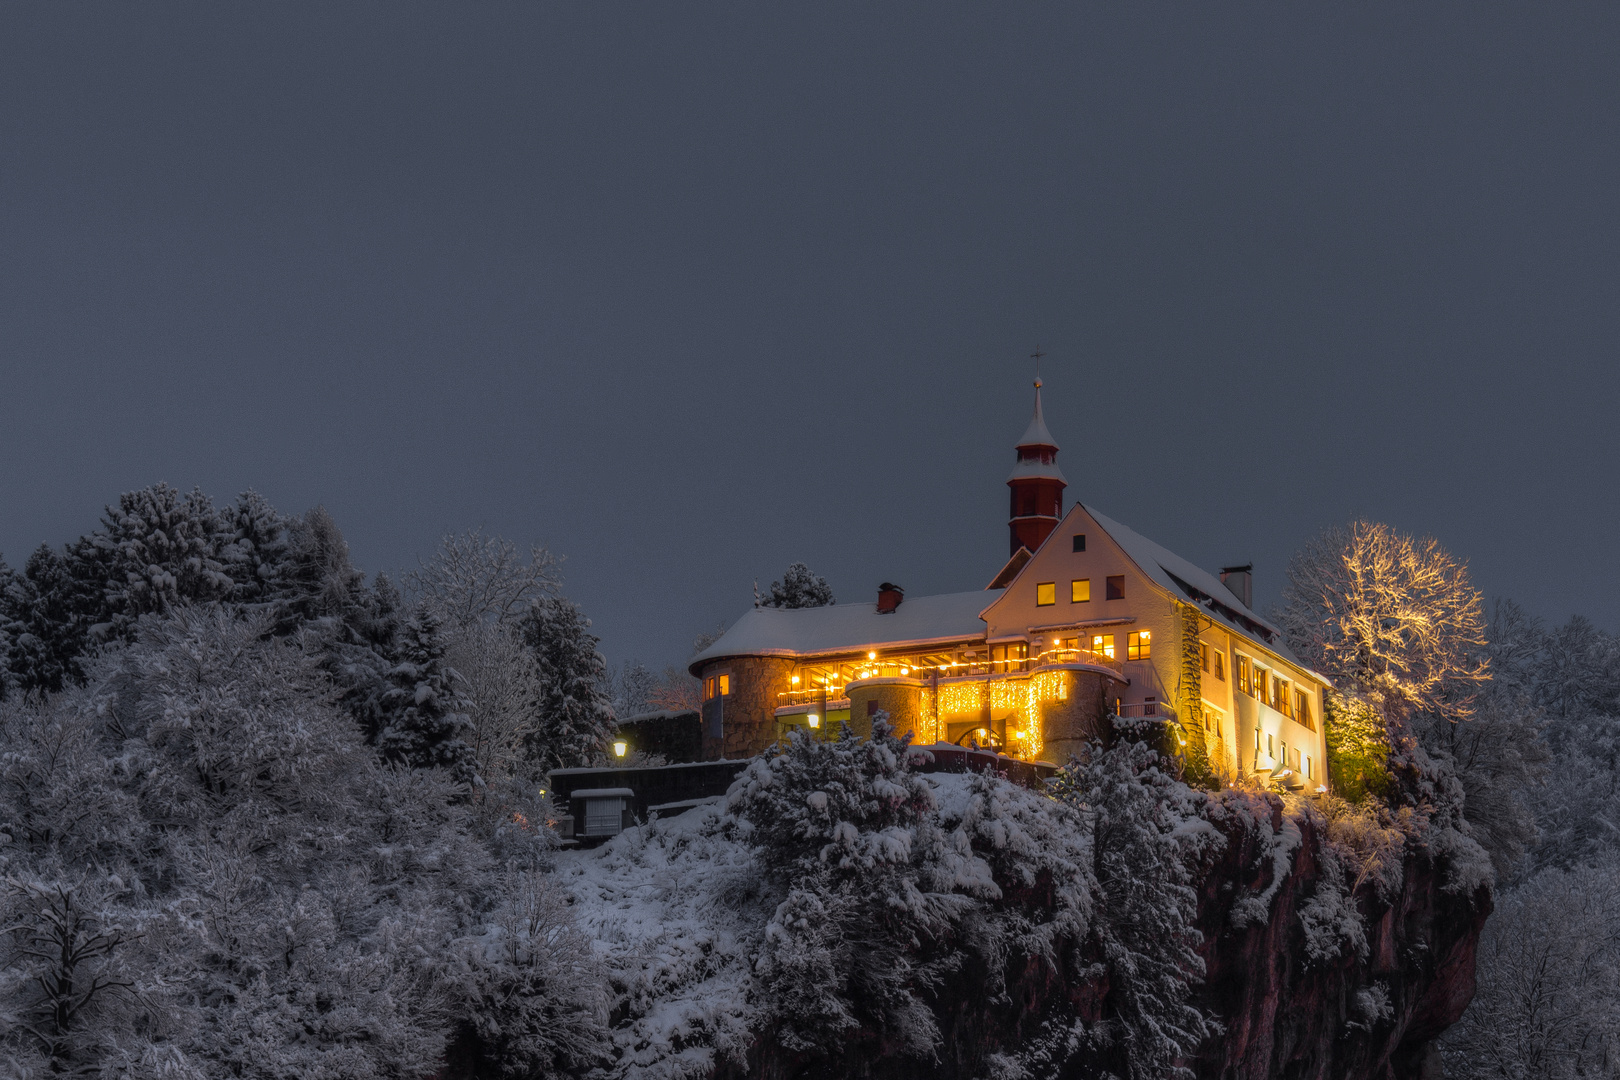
(841, 628)
(1036, 434)
(1177, 575)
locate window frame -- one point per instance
(1139, 645)
(1077, 586)
(1079, 543)
(1048, 590)
(1115, 587)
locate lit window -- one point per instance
(1203, 655)
(1080, 590)
(1139, 645)
(1103, 645)
(1245, 676)
(1116, 587)
(1220, 666)
(1302, 709)
(1079, 541)
(1046, 594)
(1279, 694)
(708, 688)
(725, 685)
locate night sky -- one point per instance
(689, 294)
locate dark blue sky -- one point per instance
(690, 294)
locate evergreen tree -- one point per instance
(253, 545)
(155, 549)
(424, 711)
(317, 581)
(576, 718)
(799, 588)
(45, 617)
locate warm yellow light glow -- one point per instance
(795, 680)
(619, 747)
(871, 656)
(905, 671)
(815, 721)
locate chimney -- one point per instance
(1240, 579)
(889, 597)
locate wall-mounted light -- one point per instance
(815, 721)
(871, 656)
(620, 747)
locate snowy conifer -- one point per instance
(424, 712)
(46, 612)
(799, 588)
(576, 720)
(252, 547)
(155, 549)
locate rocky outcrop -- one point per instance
(1353, 1018)
(1371, 1014)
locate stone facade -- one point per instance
(743, 723)
(899, 697)
(1068, 724)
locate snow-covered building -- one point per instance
(1086, 618)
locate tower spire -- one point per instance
(1036, 482)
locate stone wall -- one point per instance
(901, 698)
(747, 715)
(1068, 724)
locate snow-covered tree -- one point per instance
(424, 710)
(252, 546)
(634, 687)
(207, 873)
(46, 613)
(1547, 1003)
(576, 720)
(799, 588)
(1392, 617)
(476, 578)
(155, 549)
(1149, 836)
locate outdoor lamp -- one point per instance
(619, 747)
(815, 721)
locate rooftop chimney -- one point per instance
(889, 597)
(1240, 579)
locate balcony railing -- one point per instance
(1077, 656)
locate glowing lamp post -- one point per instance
(620, 747)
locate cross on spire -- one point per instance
(1036, 356)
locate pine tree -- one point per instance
(46, 613)
(424, 711)
(576, 718)
(317, 581)
(253, 545)
(799, 588)
(155, 549)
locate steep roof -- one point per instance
(1036, 434)
(1178, 576)
(841, 628)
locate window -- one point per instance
(1285, 754)
(1150, 706)
(1116, 587)
(1302, 709)
(1103, 645)
(1271, 747)
(1139, 645)
(1279, 694)
(1308, 774)
(716, 686)
(1079, 541)
(708, 689)
(1080, 590)
(1046, 594)
(1220, 666)
(725, 685)
(1245, 676)
(1203, 655)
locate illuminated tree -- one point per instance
(1390, 616)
